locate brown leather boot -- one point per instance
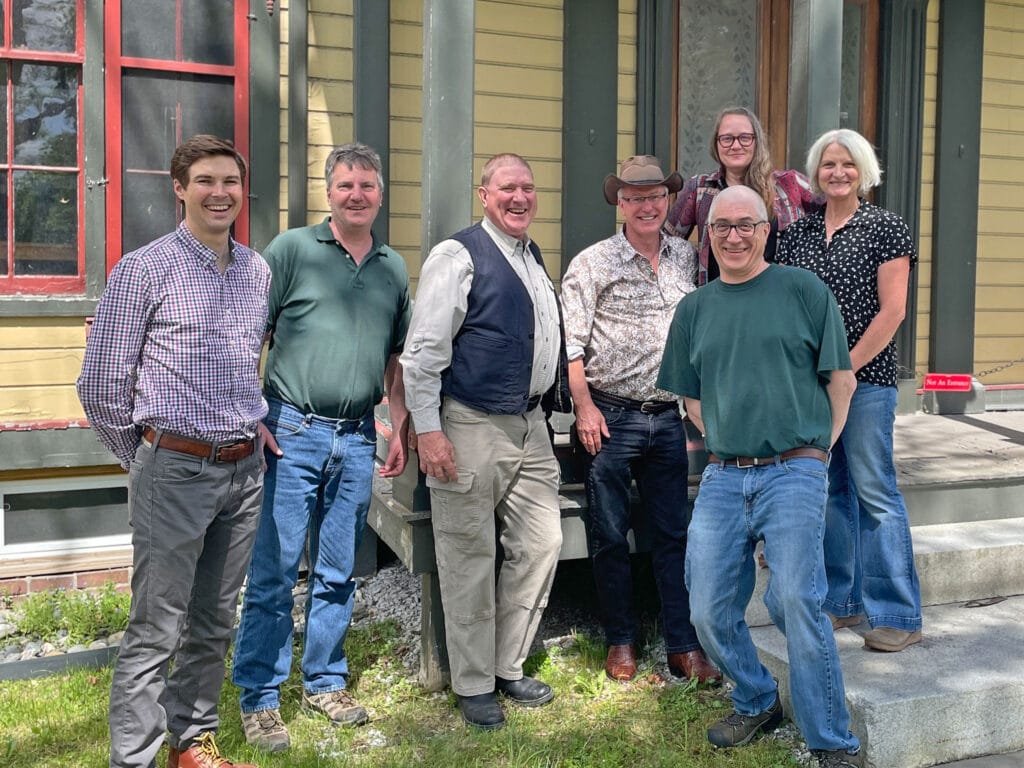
(621, 662)
(693, 665)
(202, 754)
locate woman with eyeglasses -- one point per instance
(739, 146)
(864, 253)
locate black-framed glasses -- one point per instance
(727, 139)
(744, 228)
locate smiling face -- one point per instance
(510, 199)
(739, 258)
(736, 158)
(644, 209)
(354, 196)
(838, 174)
(212, 198)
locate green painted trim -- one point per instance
(589, 121)
(900, 131)
(52, 449)
(654, 68)
(264, 124)
(298, 111)
(957, 151)
(371, 91)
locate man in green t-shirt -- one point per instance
(760, 358)
(338, 313)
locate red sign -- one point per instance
(947, 382)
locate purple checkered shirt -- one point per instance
(176, 345)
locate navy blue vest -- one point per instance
(492, 354)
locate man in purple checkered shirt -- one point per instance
(170, 384)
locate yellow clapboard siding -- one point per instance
(41, 333)
(544, 53)
(39, 367)
(1009, 250)
(330, 63)
(329, 130)
(317, 7)
(1001, 196)
(406, 103)
(330, 96)
(1000, 296)
(407, 71)
(508, 80)
(1001, 169)
(406, 38)
(998, 118)
(39, 403)
(406, 135)
(406, 166)
(524, 111)
(999, 323)
(533, 142)
(510, 18)
(998, 222)
(1002, 144)
(330, 29)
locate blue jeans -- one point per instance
(784, 504)
(320, 486)
(652, 450)
(869, 556)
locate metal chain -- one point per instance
(911, 373)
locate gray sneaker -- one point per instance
(737, 730)
(838, 758)
(340, 707)
(266, 730)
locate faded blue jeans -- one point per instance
(320, 486)
(782, 503)
(869, 556)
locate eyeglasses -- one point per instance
(744, 228)
(727, 139)
(645, 198)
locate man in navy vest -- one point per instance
(484, 349)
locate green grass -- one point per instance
(83, 614)
(60, 721)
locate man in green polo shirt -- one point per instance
(339, 309)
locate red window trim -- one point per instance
(116, 64)
(15, 285)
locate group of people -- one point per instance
(775, 334)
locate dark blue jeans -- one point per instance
(651, 449)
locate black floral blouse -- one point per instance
(849, 266)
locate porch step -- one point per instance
(957, 695)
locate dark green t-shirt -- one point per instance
(758, 357)
(334, 323)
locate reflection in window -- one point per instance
(44, 25)
(850, 85)
(160, 110)
(45, 114)
(3, 223)
(717, 68)
(206, 30)
(45, 223)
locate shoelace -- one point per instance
(208, 748)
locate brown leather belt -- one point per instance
(745, 462)
(218, 452)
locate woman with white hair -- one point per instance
(864, 253)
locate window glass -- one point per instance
(45, 223)
(850, 79)
(161, 110)
(45, 114)
(64, 515)
(3, 224)
(44, 25)
(204, 30)
(717, 68)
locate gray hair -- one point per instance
(354, 155)
(860, 150)
(738, 190)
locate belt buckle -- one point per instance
(747, 466)
(648, 406)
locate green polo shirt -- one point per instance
(334, 323)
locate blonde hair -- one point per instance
(758, 175)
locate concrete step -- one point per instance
(956, 562)
(956, 696)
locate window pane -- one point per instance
(61, 515)
(45, 114)
(3, 108)
(149, 30)
(3, 224)
(45, 223)
(160, 110)
(44, 25)
(716, 70)
(850, 87)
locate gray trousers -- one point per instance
(509, 474)
(193, 525)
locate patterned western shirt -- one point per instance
(618, 311)
(793, 199)
(176, 345)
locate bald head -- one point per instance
(740, 195)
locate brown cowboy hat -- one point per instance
(640, 171)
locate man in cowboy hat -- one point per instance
(619, 296)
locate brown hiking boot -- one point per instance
(340, 707)
(202, 754)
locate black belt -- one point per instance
(644, 406)
(745, 462)
(533, 402)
